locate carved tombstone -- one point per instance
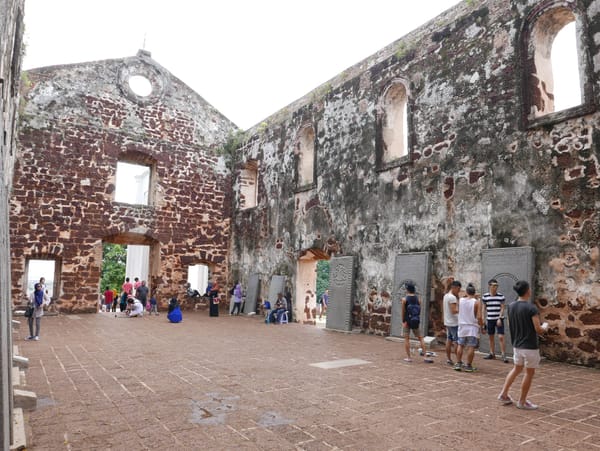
(506, 265)
(277, 286)
(416, 268)
(252, 294)
(341, 294)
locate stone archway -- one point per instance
(306, 283)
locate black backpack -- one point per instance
(413, 314)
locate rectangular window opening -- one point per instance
(132, 183)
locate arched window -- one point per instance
(249, 185)
(555, 65)
(393, 124)
(305, 150)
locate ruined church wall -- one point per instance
(477, 176)
(77, 122)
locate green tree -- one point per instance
(114, 258)
(322, 277)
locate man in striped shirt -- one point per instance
(494, 303)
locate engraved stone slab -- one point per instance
(506, 265)
(277, 286)
(341, 294)
(252, 294)
(412, 267)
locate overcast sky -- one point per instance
(249, 58)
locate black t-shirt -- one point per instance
(142, 293)
(522, 331)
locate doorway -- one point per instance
(38, 268)
(312, 281)
(198, 278)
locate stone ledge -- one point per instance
(20, 361)
(16, 376)
(16, 324)
(19, 437)
(26, 400)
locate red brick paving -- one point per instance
(235, 383)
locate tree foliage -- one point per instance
(114, 259)
(322, 277)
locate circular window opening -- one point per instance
(140, 85)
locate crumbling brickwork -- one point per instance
(79, 121)
(11, 35)
(479, 172)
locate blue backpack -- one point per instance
(413, 312)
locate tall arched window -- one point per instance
(305, 150)
(393, 123)
(555, 65)
(249, 185)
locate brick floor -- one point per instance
(235, 383)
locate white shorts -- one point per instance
(529, 358)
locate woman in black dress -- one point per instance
(213, 296)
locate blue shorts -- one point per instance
(492, 328)
(468, 341)
(452, 333)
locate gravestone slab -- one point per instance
(412, 267)
(341, 294)
(506, 265)
(277, 286)
(252, 294)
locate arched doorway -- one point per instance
(312, 279)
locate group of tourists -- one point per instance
(464, 322)
(132, 300)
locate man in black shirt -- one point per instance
(524, 323)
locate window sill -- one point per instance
(561, 116)
(398, 162)
(303, 188)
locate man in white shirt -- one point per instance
(135, 307)
(450, 307)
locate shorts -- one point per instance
(492, 328)
(529, 358)
(468, 341)
(416, 332)
(452, 333)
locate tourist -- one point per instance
(135, 308)
(450, 307)
(213, 295)
(280, 307)
(174, 311)
(469, 323)
(126, 291)
(108, 298)
(322, 303)
(141, 292)
(136, 283)
(115, 299)
(37, 299)
(191, 292)
(524, 325)
(493, 305)
(411, 320)
(153, 305)
(237, 298)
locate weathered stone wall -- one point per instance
(11, 35)
(77, 122)
(478, 174)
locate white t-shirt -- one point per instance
(450, 319)
(468, 326)
(138, 308)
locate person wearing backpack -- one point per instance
(411, 319)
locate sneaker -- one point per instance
(527, 406)
(504, 358)
(458, 366)
(36, 338)
(489, 357)
(29, 338)
(408, 360)
(506, 401)
(469, 369)
(449, 362)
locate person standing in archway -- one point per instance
(237, 298)
(494, 303)
(141, 293)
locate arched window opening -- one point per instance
(394, 125)
(565, 69)
(305, 146)
(249, 185)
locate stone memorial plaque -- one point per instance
(252, 294)
(506, 265)
(416, 268)
(277, 286)
(341, 294)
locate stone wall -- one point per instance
(11, 35)
(77, 122)
(480, 172)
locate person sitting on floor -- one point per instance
(134, 307)
(174, 314)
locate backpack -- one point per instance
(413, 314)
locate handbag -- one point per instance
(28, 311)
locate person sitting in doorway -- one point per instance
(280, 307)
(191, 292)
